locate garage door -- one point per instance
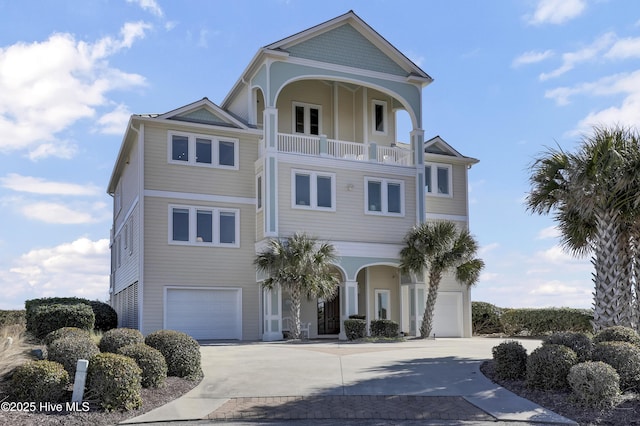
(447, 319)
(210, 313)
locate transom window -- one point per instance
(379, 117)
(313, 190)
(202, 150)
(437, 179)
(207, 226)
(384, 196)
(307, 118)
(383, 304)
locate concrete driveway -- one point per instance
(417, 379)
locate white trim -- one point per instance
(452, 217)
(192, 222)
(340, 163)
(384, 196)
(127, 215)
(199, 197)
(191, 125)
(434, 179)
(179, 287)
(385, 121)
(361, 249)
(191, 153)
(313, 189)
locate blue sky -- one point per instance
(511, 77)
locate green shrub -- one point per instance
(67, 351)
(358, 316)
(538, 322)
(181, 352)
(63, 332)
(106, 316)
(485, 318)
(510, 360)
(580, 343)
(116, 338)
(625, 358)
(151, 362)
(355, 328)
(12, 317)
(48, 318)
(548, 366)
(594, 384)
(114, 381)
(39, 381)
(384, 328)
(618, 334)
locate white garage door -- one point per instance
(447, 319)
(209, 313)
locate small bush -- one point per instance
(115, 381)
(106, 316)
(580, 343)
(384, 328)
(594, 384)
(63, 332)
(618, 334)
(116, 338)
(625, 358)
(39, 381)
(510, 360)
(151, 362)
(181, 352)
(355, 328)
(485, 318)
(67, 351)
(12, 317)
(548, 366)
(48, 318)
(539, 322)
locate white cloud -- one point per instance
(588, 53)
(47, 86)
(556, 11)
(36, 185)
(549, 232)
(531, 57)
(149, 5)
(65, 213)
(488, 248)
(624, 48)
(79, 268)
(114, 122)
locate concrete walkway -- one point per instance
(418, 380)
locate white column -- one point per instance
(349, 298)
(270, 173)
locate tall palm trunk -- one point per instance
(295, 312)
(625, 287)
(607, 270)
(426, 327)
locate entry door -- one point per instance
(329, 316)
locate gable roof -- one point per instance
(204, 112)
(437, 146)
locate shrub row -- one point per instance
(356, 328)
(12, 317)
(105, 317)
(47, 318)
(595, 373)
(487, 318)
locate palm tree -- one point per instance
(438, 247)
(302, 267)
(593, 194)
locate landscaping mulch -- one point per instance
(173, 388)
(626, 412)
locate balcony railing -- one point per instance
(352, 151)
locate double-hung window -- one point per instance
(437, 179)
(379, 117)
(207, 226)
(313, 190)
(203, 150)
(307, 119)
(384, 196)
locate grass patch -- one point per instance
(15, 348)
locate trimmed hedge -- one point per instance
(48, 318)
(384, 328)
(12, 317)
(64, 332)
(116, 338)
(355, 328)
(39, 381)
(510, 360)
(105, 316)
(115, 381)
(181, 352)
(594, 384)
(151, 362)
(67, 351)
(618, 334)
(625, 358)
(538, 322)
(485, 318)
(580, 343)
(548, 367)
